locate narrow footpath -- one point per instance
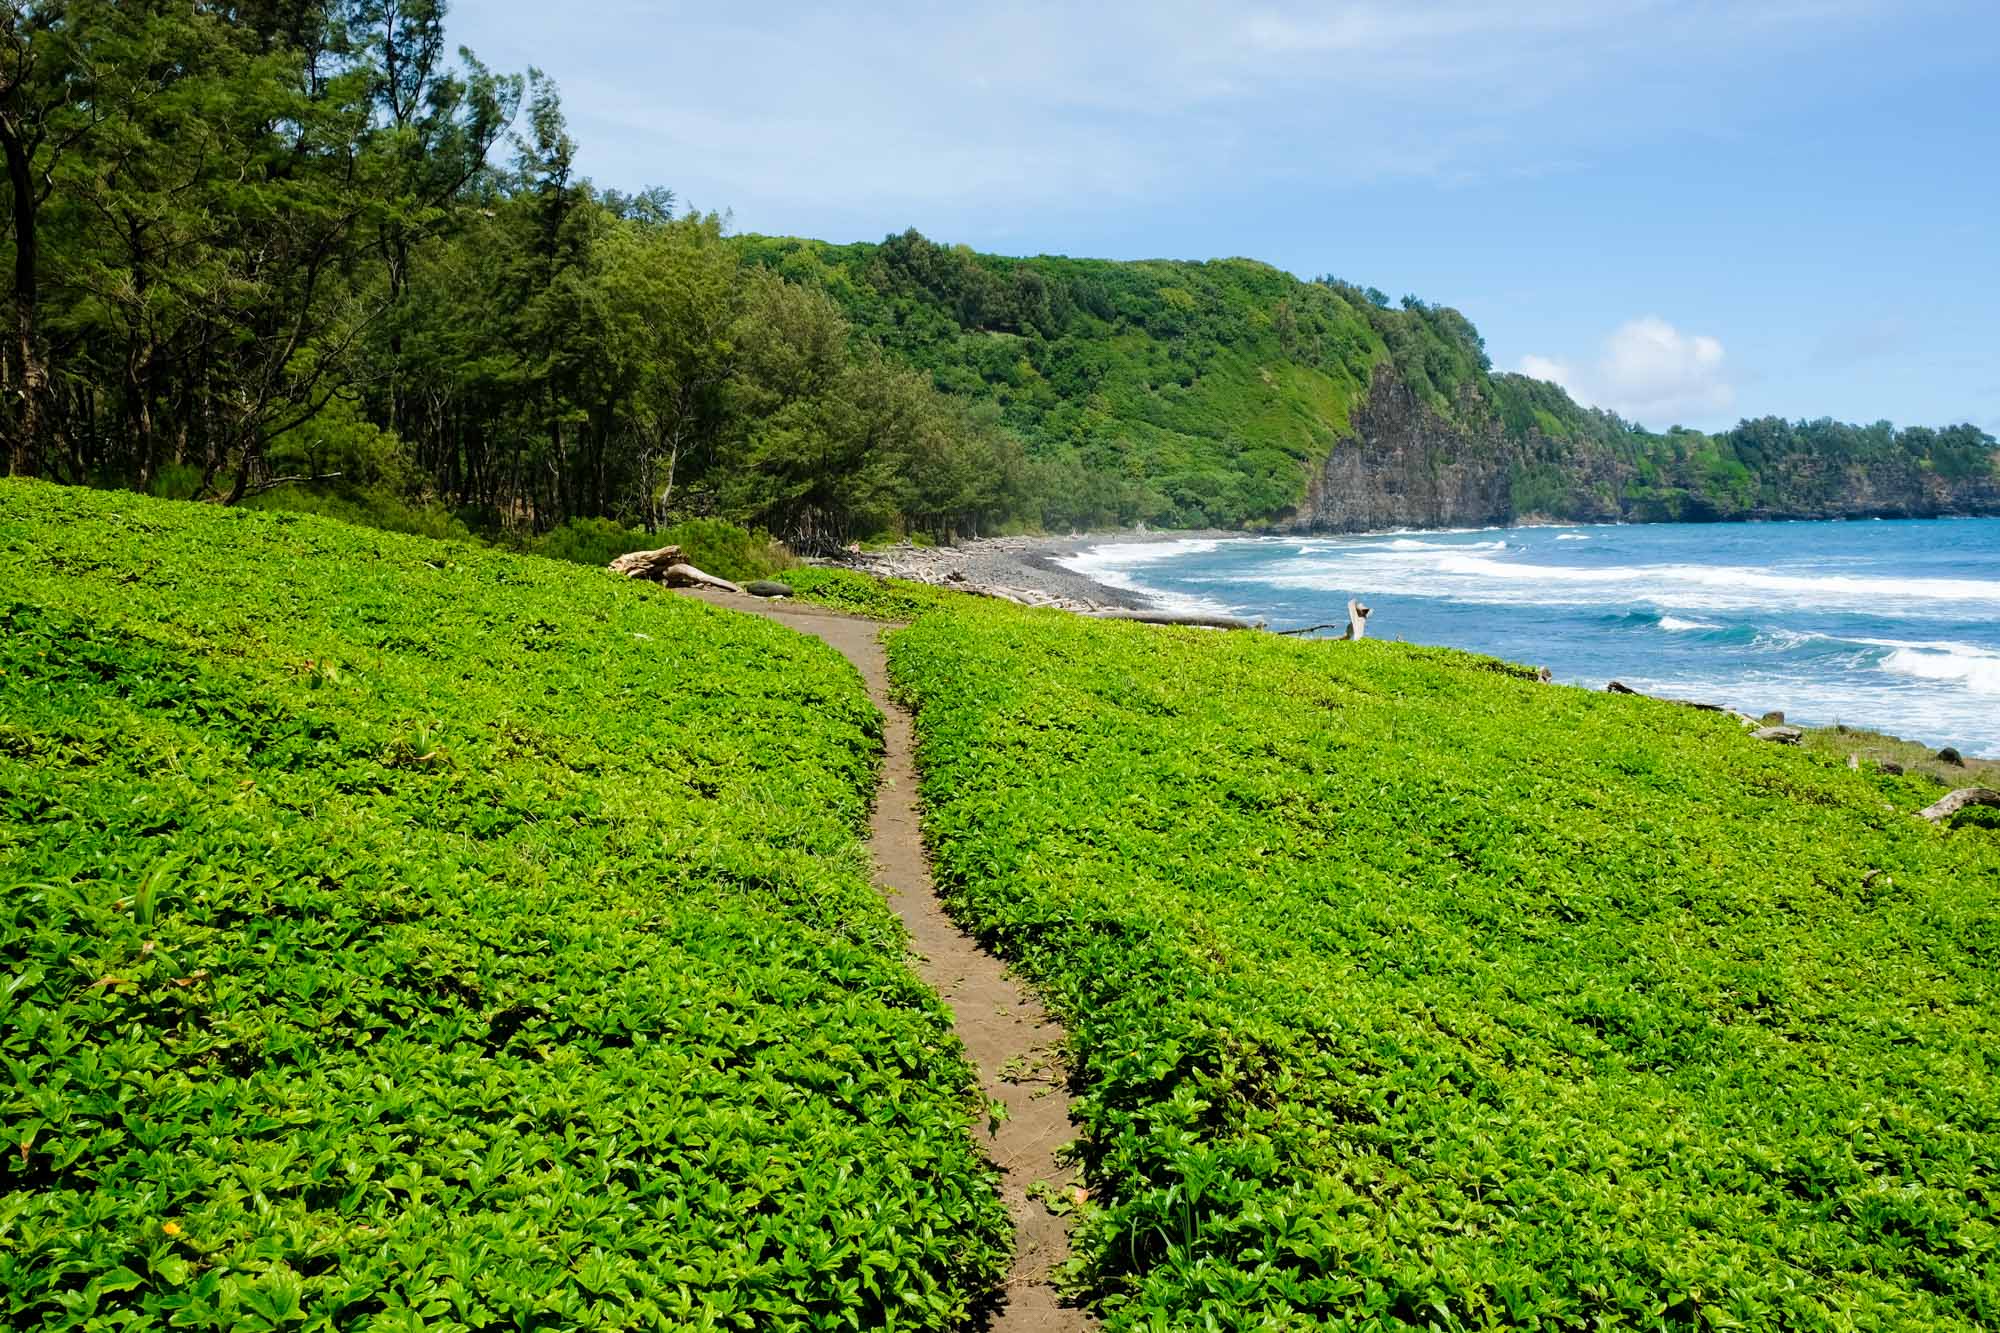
(1010, 1038)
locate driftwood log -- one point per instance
(647, 564)
(667, 566)
(1953, 802)
(1356, 626)
(687, 576)
(1194, 618)
(1778, 735)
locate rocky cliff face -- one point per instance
(1408, 467)
(1885, 489)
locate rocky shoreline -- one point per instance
(1014, 569)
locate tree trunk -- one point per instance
(30, 374)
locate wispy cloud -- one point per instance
(954, 110)
(1862, 342)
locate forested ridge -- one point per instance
(299, 252)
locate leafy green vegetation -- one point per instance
(400, 934)
(867, 595)
(711, 544)
(1404, 992)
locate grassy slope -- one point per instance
(397, 933)
(1407, 993)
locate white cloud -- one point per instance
(1648, 370)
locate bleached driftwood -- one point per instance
(1194, 618)
(647, 564)
(666, 566)
(683, 576)
(1778, 735)
(1355, 626)
(1953, 802)
(1357, 619)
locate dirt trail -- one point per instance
(1008, 1035)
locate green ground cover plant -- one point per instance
(398, 934)
(1407, 993)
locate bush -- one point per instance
(712, 545)
(383, 511)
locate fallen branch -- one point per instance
(1195, 619)
(1953, 802)
(666, 566)
(275, 482)
(687, 575)
(647, 564)
(1354, 627)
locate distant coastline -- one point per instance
(1891, 632)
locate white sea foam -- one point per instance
(1677, 624)
(1411, 544)
(1112, 563)
(1923, 712)
(1729, 577)
(1465, 574)
(1977, 672)
(1932, 645)
(1572, 536)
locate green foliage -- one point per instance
(1180, 394)
(397, 934)
(869, 595)
(382, 510)
(1407, 993)
(711, 544)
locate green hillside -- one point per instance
(395, 934)
(1177, 393)
(1209, 394)
(1407, 992)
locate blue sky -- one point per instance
(1687, 211)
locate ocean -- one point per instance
(1889, 625)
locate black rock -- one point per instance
(1950, 756)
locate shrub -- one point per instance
(713, 545)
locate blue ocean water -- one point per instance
(1891, 625)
